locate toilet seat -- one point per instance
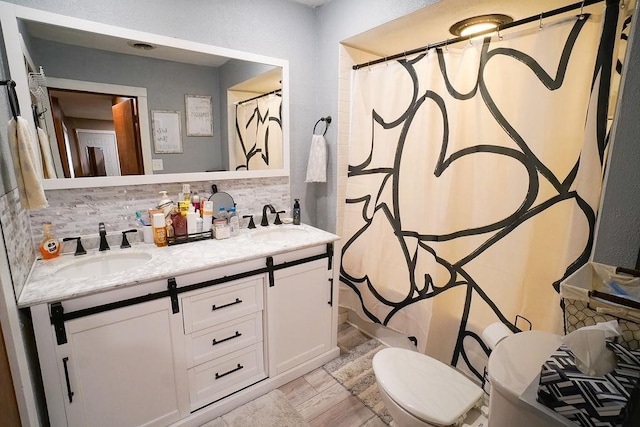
(425, 387)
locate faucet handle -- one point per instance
(79, 248)
(251, 223)
(125, 242)
(277, 221)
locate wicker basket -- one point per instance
(588, 298)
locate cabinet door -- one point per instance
(119, 367)
(299, 315)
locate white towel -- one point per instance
(26, 165)
(45, 154)
(317, 166)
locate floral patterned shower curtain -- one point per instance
(474, 181)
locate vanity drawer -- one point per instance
(208, 308)
(225, 375)
(217, 341)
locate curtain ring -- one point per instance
(582, 10)
(540, 24)
(499, 35)
(446, 45)
(621, 4)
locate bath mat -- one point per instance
(272, 409)
(354, 371)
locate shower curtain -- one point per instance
(474, 181)
(258, 143)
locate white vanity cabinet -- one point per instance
(182, 350)
(116, 368)
(223, 339)
(299, 309)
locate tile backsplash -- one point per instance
(77, 212)
(17, 238)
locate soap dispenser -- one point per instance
(50, 245)
(296, 212)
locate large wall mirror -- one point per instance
(123, 107)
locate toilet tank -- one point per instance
(513, 365)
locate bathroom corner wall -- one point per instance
(16, 233)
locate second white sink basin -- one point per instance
(103, 264)
(278, 232)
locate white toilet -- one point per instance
(418, 390)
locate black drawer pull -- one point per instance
(237, 334)
(65, 360)
(237, 301)
(218, 376)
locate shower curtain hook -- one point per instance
(499, 35)
(540, 25)
(621, 4)
(446, 45)
(582, 10)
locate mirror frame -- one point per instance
(11, 14)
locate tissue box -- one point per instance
(609, 400)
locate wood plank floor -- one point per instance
(322, 401)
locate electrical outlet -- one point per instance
(157, 165)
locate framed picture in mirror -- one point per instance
(167, 134)
(199, 115)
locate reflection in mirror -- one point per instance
(163, 73)
(84, 122)
(257, 140)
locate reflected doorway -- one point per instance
(100, 114)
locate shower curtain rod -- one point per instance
(259, 96)
(533, 18)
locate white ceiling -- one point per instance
(431, 24)
(311, 3)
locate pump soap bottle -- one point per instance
(296, 212)
(50, 245)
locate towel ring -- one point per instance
(327, 121)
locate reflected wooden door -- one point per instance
(127, 135)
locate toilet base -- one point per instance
(402, 418)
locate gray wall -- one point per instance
(618, 238)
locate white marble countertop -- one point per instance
(44, 285)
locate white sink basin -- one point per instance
(278, 232)
(103, 265)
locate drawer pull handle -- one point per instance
(70, 393)
(218, 376)
(237, 334)
(237, 301)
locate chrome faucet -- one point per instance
(265, 221)
(104, 245)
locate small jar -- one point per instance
(221, 228)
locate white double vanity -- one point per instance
(183, 333)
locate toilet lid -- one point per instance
(425, 387)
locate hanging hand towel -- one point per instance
(26, 165)
(317, 166)
(45, 154)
